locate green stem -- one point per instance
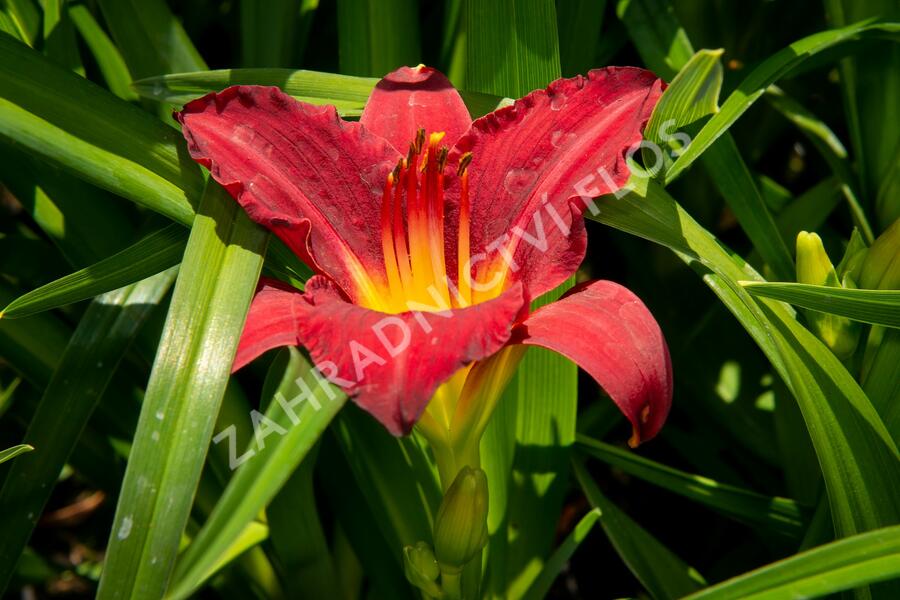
(450, 582)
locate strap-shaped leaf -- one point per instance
(879, 307)
(855, 561)
(11, 453)
(776, 514)
(655, 566)
(71, 122)
(856, 453)
(152, 254)
(84, 371)
(216, 282)
(301, 405)
(767, 73)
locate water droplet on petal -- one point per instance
(558, 101)
(518, 182)
(243, 134)
(560, 138)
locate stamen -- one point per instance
(400, 246)
(420, 140)
(434, 199)
(414, 247)
(417, 219)
(462, 248)
(387, 240)
(464, 161)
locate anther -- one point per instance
(442, 158)
(464, 161)
(420, 140)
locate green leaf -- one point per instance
(870, 82)
(655, 566)
(659, 38)
(357, 520)
(84, 371)
(395, 475)
(855, 451)
(828, 145)
(346, 92)
(34, 345)
(267, 32)
(377, 36)
(841, 565)
(152, 254)
(767, 73)
(215, 285)
(150, 38)
(298, 538)
(26, 19)
(557, 562)
(691, 96)
(512, 46)
(59, 36)
(11, 453)
(85, 223)
(108, 57)
(291, 427)
(773, 513)
(661, 41)
(882, 384)
(580, 23)
(70, 122)
(809, 210)
(879, 307)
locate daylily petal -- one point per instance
(608, 332)
(393, 364)
(302, 172)
(271, 321)
(549, 147)
(410, 98)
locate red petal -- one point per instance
(271, 321)
(539, 150)
(608, 332)
(299, 170)
(364, 349)
(409, 98)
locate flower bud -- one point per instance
(849, 268)
(421, 568)
(460, 528)
(881, 267)
(840, 334)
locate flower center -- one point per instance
(412, 232)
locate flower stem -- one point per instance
(450, 582)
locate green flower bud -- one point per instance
(849, 268)
(840, 334)
(813, 265)
(881, 267)
(460, 528)
(421, 568)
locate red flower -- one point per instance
(431, 234)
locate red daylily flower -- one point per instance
(430, 234)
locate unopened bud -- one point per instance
(849, 268)
(460, 528)
(881, 267)
(814, 267)
(421, 568)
